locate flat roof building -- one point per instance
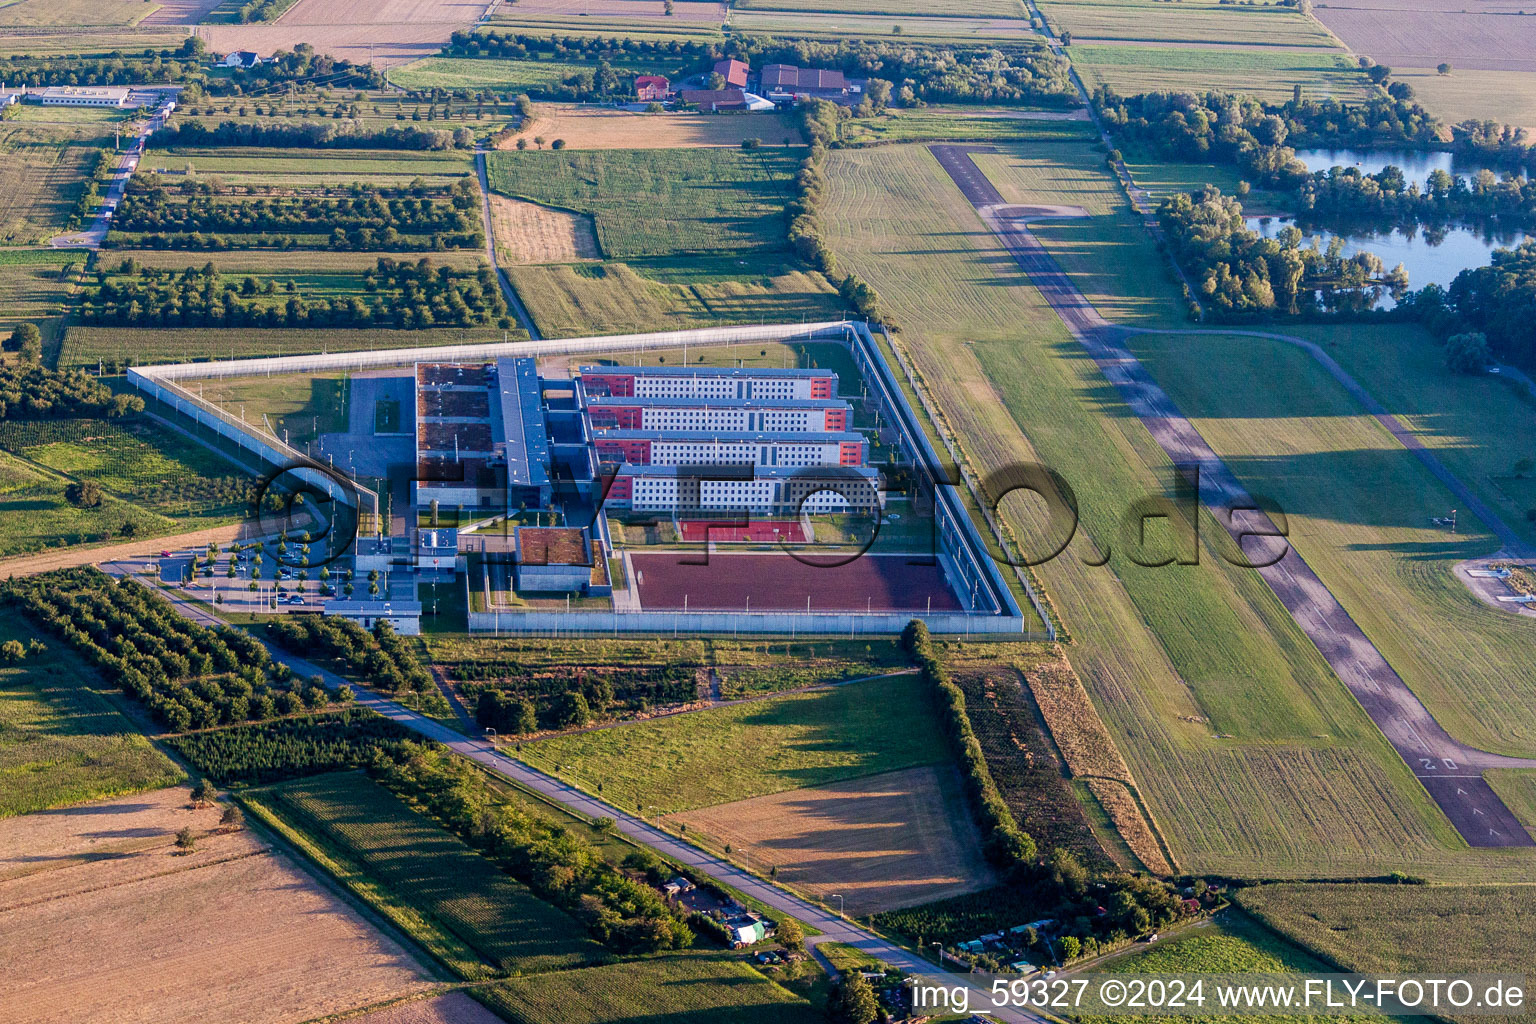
(702, 492)
(707, 382)
(791, 415)
(699, 447)
(85, 96)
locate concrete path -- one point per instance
(1450, 771)
(507, 290)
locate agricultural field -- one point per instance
(1026, 764)
(651, 203)
(101, 913)
(1383, 929)
(529, 233)
(606, 128)
(62, 741)
(136, 460)
(1508, 97)
(453, 1008)
(577, 301)
(882, 841)
(386, 31)
(628, 12)
(34, 515)
(457, 903)
(35, 285)
(914, 8)
(87, 345)
(513, 17)
(310, 168)
(713, 986)
(746, 750)
(535, 74)
(44, 167)
(1359, 507)
(1230, 943)
(1203, 22)
(1246, 749)
(959, 124)
(1485, 35)
(942, 28)
(1267, 73)
(73, 14)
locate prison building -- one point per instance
(481, 439)
(707, 382)
(692, 448)
(796, 415)
(761, 490)
(559, 559)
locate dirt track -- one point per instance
(1450, 770)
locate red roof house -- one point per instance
(733, 71)
(650, 88)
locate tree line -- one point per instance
(311, 135)
(186, 65)
(151, 215)
(402, 294)
(1486, 313)
(1056, 885)
(521, 701)
(188, 676)
(807, 235)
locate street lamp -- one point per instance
(839, 897)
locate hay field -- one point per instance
(102, 919)
(605, 128)
(612, 298)
(387, 31)
(1250, 754)
(883, 841)
(943, 28)
(180, 12)
(530, 233)
(980, 8)
(62, 742)
(1508, 97)
(1266, 73)
(1359, 506)
(744, 750)
(1401, 929)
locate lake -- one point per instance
(1415, 165)
(1432, 256)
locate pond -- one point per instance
(1432, 255)
(1416, 165)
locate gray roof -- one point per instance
(522, 423)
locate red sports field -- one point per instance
(763, 532)
(881, 583)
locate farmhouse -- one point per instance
(712, 100)
(84, 96)
(733, 71)
(652, 88)
(242, 59)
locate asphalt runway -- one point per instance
(1450, 771)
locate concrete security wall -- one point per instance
(777, 623)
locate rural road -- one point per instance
(832, 927)
(490, 249)
(93, 236)
(1450, 771)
